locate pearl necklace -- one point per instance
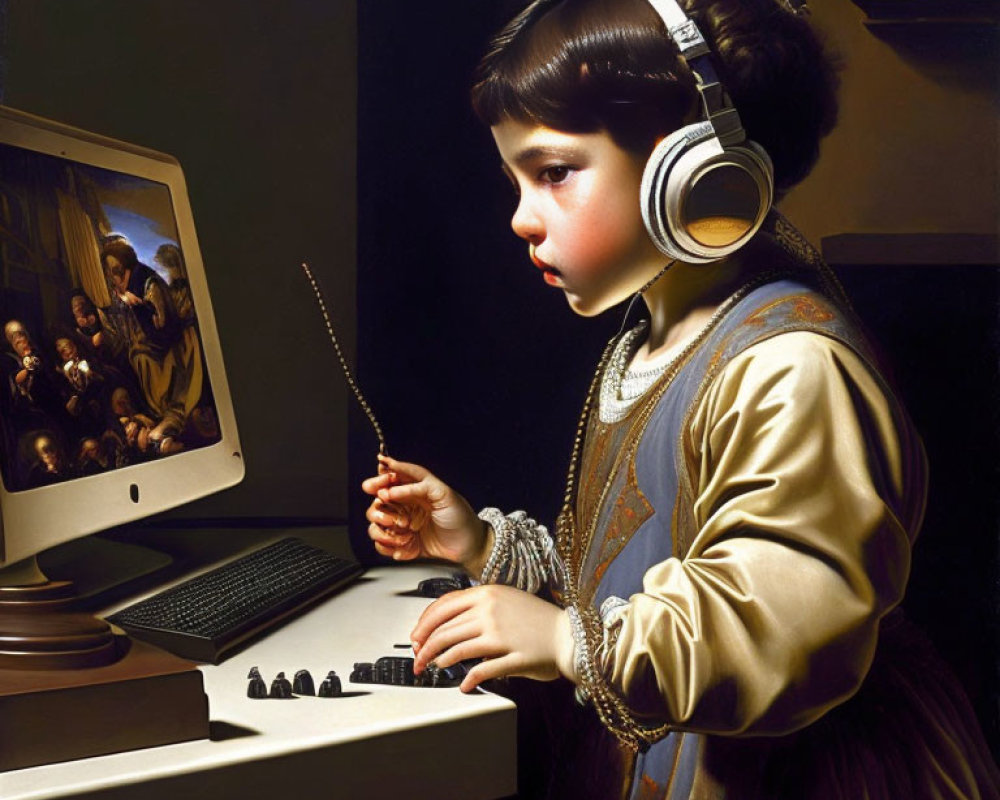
(612, 404)
(623, 385)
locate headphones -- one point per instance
(706, 188)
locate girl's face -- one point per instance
(578, 209)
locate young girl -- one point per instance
(745, 488)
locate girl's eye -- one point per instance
(555, 174)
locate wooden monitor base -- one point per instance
(70, 688)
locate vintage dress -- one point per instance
(744, 555)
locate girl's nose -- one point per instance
(526, 222)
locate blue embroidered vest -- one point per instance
(633, 494)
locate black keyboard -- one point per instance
(205, 616)
(398, 671)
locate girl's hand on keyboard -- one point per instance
(415, 514)
(514, 632)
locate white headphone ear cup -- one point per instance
(759, 154)
(653, 195)
(693, 158)
(755, 160)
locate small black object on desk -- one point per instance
(281, 688)
(330, 687)
(257, 689)
(303, 683)
(436, 587)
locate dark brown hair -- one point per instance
(122, 250)
(588, 65)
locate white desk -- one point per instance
(391, 742)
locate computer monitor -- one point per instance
(114, 403)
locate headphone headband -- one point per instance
(716, 105)
(681, 28)
(706, 189)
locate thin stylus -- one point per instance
(343, 361)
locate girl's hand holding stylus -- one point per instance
(415, 514)
(516, 633)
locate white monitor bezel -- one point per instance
(33, 520)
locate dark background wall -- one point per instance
(256, 99)
(478, 368)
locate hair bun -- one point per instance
(779, 75)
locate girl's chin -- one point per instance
(594, 304)
(585, 306)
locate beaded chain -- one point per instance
(611, 710)
(343, 361)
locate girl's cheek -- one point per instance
(592, 249)
(601, 242)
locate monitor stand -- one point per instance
(70, 687)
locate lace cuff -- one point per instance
(588, 666)
(594, 635)
(523, 554)
(612, 614)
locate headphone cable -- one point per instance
(642, 290)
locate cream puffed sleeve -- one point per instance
(807, 487)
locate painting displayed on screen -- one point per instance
(101, 362)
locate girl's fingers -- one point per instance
(387, 516)
(382, 550)
(396, 553)
(388, 538)
(488, 669)
(407, 493)
(406, 469)
(400, 517)
(448, 635)
(439, 612)
(376, 482)
(409, 550)
(470, 648)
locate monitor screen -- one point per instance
(102, 364)
(113, 399)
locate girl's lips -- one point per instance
(549, 273)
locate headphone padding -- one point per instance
(674, 166)
(653, 191)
